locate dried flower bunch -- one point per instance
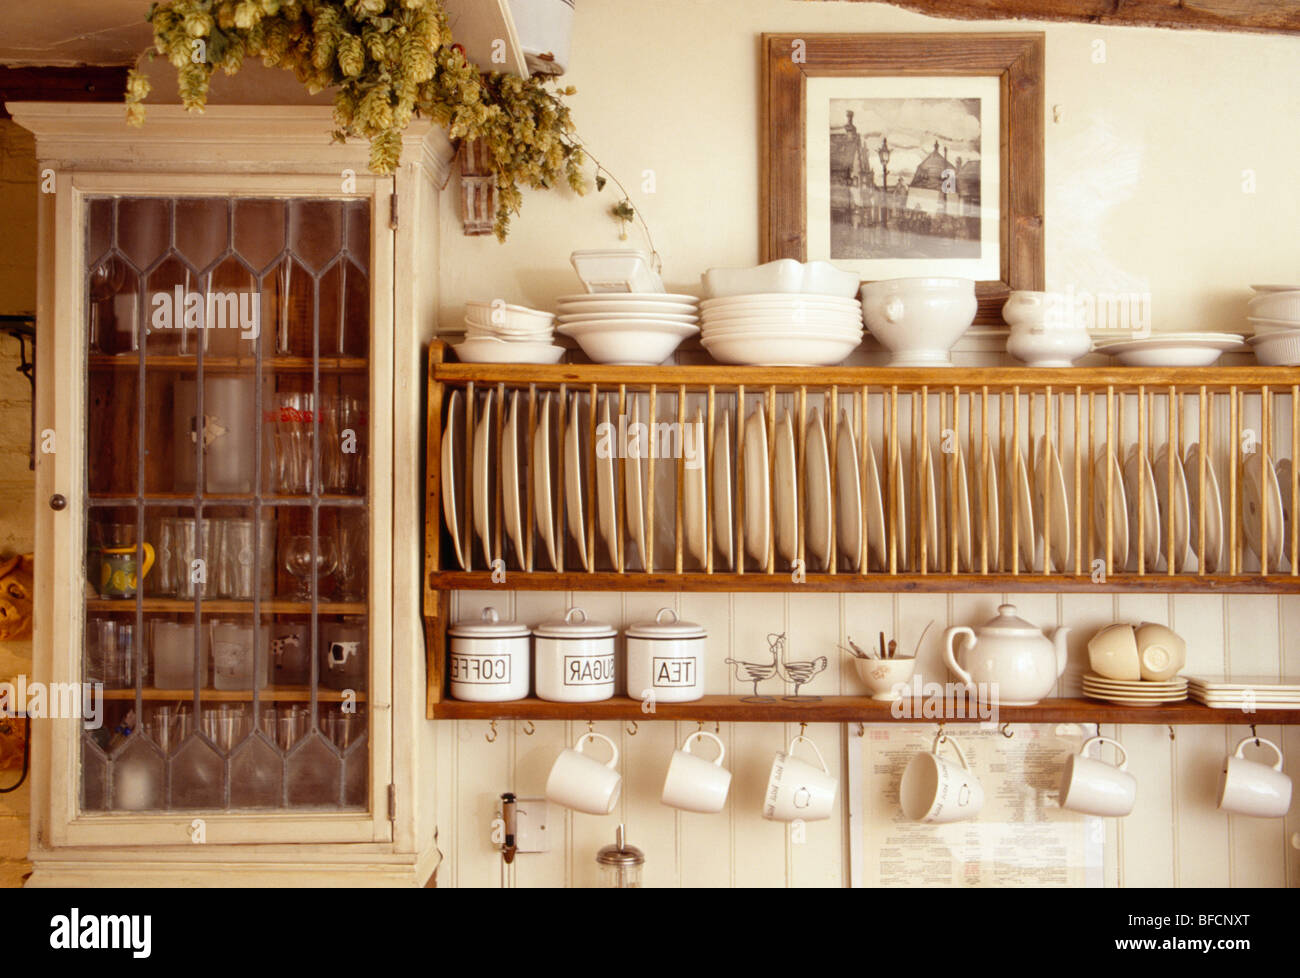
(387, 60)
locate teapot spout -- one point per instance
(1062, 648)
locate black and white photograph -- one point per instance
(905, 178)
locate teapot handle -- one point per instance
(950, 655)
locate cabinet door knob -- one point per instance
(57, 502)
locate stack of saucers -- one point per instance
(1135, 692)
(1274, 317)
(1245, 692)
(781, 329)
(634, 328)
(496, 332)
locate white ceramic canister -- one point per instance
(574, 659)
(665, 659)
(489, 659)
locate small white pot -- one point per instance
(574, 659)
(489, 661)
(1046, 329)
(665, 659)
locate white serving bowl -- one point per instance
(509, 318)
(785, 276)
(616, 271)
(611, 317)
(488, 350)
(793, 320)
(1260, 326)
(768, 300)
(918, 320)
(783, 328)
(1049, 345)
(1277, 349)
(633, 342)
(1275, 305)
(780, 350)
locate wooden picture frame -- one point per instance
(1015, 60)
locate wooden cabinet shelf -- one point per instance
(873, 582)
(227, 606)
(227, 365)
(279, 694)
(848, 709)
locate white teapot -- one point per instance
(1010, 652)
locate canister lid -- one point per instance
(574, 624)
(488, 626)
(666, 625)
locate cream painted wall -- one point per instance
(1144, 192)
(1144, 172)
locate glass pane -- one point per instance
(227, 541)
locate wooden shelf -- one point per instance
(227, 606)
(1063, 379)
(224, 499)
(847, 709)
(283, 694)
(935, 582)
(213, 364)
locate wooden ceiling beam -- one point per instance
(81, 84)
(1258, 16)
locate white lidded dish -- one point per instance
(616, 270)
(574, 659)
(665, 659)
(489, 660)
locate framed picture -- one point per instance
(902, 155)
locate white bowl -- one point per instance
(783, 329)
(634, 342)
(1277, 349)
(488, 350)
(790, 350)
(507, 318)
(616, 271)
(785, 276)
(792, 320)
(882, 676)
(610, 317)
(768, 300)
(1049, 345)
(1275, 305)
(1260, 326)
(919, 320)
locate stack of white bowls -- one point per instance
(497, 332)
(631, 328)
(1274, 316)
(783, 313)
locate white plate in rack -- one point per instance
(1254, 494)
(510, 483)
(874, 523)
(758, 500)
(848, 493)
(482, 480)
(1213, 508)
(633, 497)
(1119, 530)
(785, 490)
(453, 443)
(961, 492)
(1048, 471)
(695, 498)
(1138, 478)
(817, 482)
(543, 509)
(1180, 504)
(607, 491)
(573, 485)
(723, 530)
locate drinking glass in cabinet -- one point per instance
(291, 422)
(343, 651)
(192, 540)
(233, 661)
(168, 725)
(343, 726)
(301, 557)
(110, 652)
(343, 453)
(352, 533)
(174, 655)
(245, 558)
(289, 652)
(225, 434)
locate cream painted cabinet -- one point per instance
(232, 314)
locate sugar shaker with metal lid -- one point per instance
(620, 864)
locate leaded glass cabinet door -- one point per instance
(233, 505)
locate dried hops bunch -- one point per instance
(386, 61)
